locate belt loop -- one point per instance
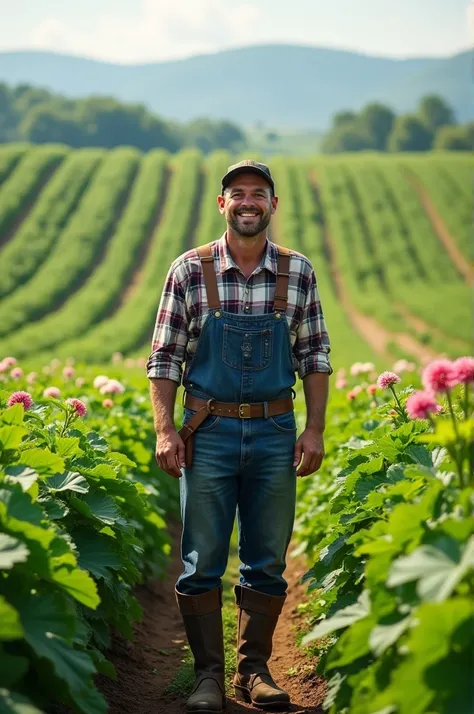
(265, 410)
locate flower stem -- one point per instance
(466, 400)
(401, 409)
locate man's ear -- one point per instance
(221, 204)
(274, 203)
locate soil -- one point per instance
(147, 665)
(441, 230)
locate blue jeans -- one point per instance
(243, 466)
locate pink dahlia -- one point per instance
(464, 368)
(79, 407)
(420, 404)
(16, 373)
(54, 392)
(439, 376)
(3, 367)
(21, 398)
(9, 361)
(100, 380)
(69, 372)
(113, 386)
(108, 403)
(387, 379)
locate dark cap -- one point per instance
(245, 167)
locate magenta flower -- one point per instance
(79, 407)
(464, 369)
(439, 376)
(16, 373)
(69, 372)
(21, 398)
(420, 404)
(108, 403)
(387, 379)
(54, 392)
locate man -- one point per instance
(243, 315)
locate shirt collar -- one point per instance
(269, 260)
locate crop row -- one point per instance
(77, 250)
(26, 180)
(10, 154)
(89, 304)
(33, 240)
(132, 325)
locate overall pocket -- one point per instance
(284, 422)
(246, 349)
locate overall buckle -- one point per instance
(244, 411)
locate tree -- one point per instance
(44, 124)
(347, 137)
(344, 117)
(409, 133)
(377, 120)
(434, 112)
(453, 138)
(8, 115)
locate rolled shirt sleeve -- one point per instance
(170, 335)
(312, 346)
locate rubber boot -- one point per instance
(257, 619)
(202, 617)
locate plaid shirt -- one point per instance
(183, 309)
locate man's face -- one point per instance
(248, 205)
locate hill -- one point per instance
(279, 85)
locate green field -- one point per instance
(87, 236)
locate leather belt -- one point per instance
(204, 407)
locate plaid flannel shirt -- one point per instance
(183, 309)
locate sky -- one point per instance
(136, 31)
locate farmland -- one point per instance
(383, 532)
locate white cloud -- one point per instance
(158, 29)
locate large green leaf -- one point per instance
(22, 475)
(43, 461)
(343, 618)
(11, 436)
(13, 703)
(10, 625)
(437, 568)
(384, 636)
(13, 415)
(97, 504)
(42, 614)
(19, 505)
(12, 551)
(68, 447)
(13, 668)
(67, 481)
(353, 644)
(78, 584)
(98, 554)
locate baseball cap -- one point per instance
(246, 166)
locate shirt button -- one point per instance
(246, 308)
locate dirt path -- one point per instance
(375, 334)
(422, 327)
(146, 666)
(441, 230)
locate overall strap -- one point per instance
(283, 274)
(209, 275)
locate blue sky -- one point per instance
(130, 31)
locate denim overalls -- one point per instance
(243, 464)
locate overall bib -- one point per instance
(240, 463)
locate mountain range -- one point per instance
(280, 86)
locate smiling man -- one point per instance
(243, 316)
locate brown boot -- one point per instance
(258, 617)
(202, 617)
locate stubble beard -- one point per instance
(248, 231)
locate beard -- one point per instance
(246, 228)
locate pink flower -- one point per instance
(3, 367)
(357, 389)
(9, 361)
(113, 386)
(69, 372)
(371, 389)
(107, 403)
(100, 380)
(402, 365)
(21, 398)
(54, 392)
(439, 376)
(16, 373)
(31, 377)
(420, 404)
(387, 379)
(80, 381)
(351, 395)
(341, 383)
(464, 368)
(79, 407)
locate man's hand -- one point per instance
(170, 452)
(310, 445)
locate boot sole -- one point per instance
(243, 695)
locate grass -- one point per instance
(182, 683)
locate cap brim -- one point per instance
(247, 170)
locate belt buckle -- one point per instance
(244, 411)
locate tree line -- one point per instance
(38, 116)
(432, 126)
